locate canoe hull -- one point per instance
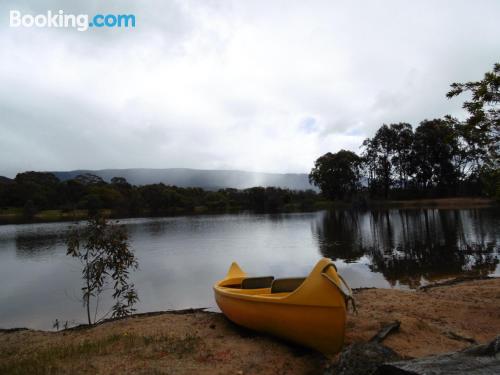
(318, 327)
(312, 314)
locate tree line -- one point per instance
(439, 158)
(36, 191)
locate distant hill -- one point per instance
(6, 180)
(206, 179)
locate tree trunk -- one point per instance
(88, 295)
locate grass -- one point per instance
(11, 211)
(49, 360)
(458, 202)
(455, 203)
(15, 215)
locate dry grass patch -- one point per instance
(54, 358)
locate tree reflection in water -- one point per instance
(37, 245)
(413, 246)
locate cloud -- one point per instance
(257, 85)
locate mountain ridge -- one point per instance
(210, 179)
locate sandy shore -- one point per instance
(441, 319)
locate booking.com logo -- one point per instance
(81, 22)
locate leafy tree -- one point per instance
(73, 191)
(269, 199)
(93, 194)
(490, 178)
(256, 198)
(120, 182)
(29, 210)
(403, 154)
(216, 200)
(435, 145)
(93, 203)
(39, 178)
(5, 191)
(135, 204)
(109, 196)
(337, 175)
(105, 254)
(89, 179)
(378, 154)
(152, 196)
(481, 130)
(39, 187)
(389, 155)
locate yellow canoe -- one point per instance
(309, 311)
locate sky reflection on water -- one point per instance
(180, 258)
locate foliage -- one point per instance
(490, 178)
(337, 175)
(403, 154)
(155, 199)
(388, 153)
(442, 157)
(481, 130)
(38, 187)
(105, 254)
(29, 210)
(89, 179)
(435, 147)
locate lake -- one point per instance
(181, 257)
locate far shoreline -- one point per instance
(11, 216)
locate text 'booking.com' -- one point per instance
(80, 22)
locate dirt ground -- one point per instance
(441, 319)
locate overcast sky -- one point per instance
(252, 85)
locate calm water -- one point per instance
(180, 258)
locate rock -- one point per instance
(362, 359)
(476, 360)
(365, 358)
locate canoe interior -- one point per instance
(267, 284)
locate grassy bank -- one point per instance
(436, 320)
(16, 216)
(444, 203)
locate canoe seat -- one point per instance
(286, 285)
(233, 286)
(257, 282)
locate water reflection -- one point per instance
(339, 235)
(36, 245)
(410, 247)
(181, 257)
